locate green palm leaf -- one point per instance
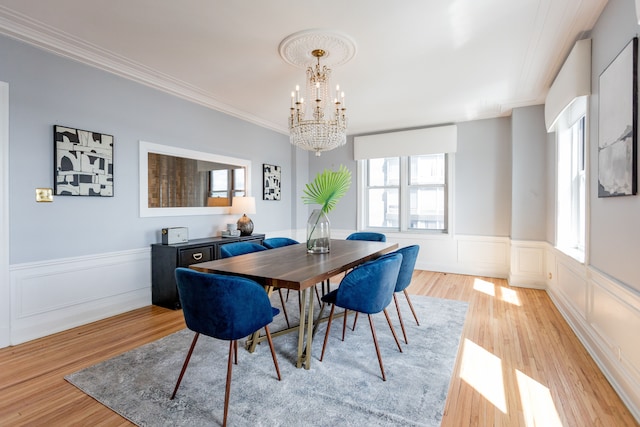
(327, 188)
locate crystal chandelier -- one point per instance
(316, 123)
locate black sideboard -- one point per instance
(166, 258)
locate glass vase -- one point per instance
(318, 232)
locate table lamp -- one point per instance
(244, 205)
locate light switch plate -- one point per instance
(44, 195)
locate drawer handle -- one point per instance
(197, 256)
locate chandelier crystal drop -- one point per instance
(318, 123)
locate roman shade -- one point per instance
(572, 82)
(434, 140)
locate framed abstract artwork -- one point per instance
(271, 182)
(618, 125)
(83, 162)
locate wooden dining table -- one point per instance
(291, 267)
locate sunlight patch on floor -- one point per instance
(509, 295)
(537, 403)
(483, 371)
(484, 287)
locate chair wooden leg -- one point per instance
(184, 365)
(235, 352)
(375, 342)
(393, 331)
(344, 322)
(355, 320)
(273, 352)
(326, 335)
(404, 333)
(284, 307)
(406, 294)
(317, 294)
(228, 386)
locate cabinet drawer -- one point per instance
(195, 255)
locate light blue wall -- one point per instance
(483, 178)
(45, 89)
(529, 178)
(344, 216)
(614, 231)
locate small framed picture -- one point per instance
(83, 162)
(271, 182)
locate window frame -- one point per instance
(567, 214)
(362, 197)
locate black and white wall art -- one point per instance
(271, 182)
(83, 162)
(618, 125)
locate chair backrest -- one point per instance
(409, 256)
(369, 288)
(240, 248)
(223, 307)
(277, 242)
(367, 235)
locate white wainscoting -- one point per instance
(605, 315)
(55, 295)
(478, 255)
(528, 264)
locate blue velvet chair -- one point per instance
(278, 242)
(240, 248)
(366, 289)
(226, 308)
(409, 256)
(367, 235)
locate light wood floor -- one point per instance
(519, 363)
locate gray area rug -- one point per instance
(345, 389)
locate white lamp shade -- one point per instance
(243, 205)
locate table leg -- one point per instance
(307, 358)
(301, 327)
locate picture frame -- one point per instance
(618, 125)
(271, 182)
(83, 162)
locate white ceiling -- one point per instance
(417, 63)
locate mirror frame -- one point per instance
(150, 147)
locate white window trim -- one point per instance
(580, 255)
(424, 234)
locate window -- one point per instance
(406, 193)
(225, 181)
(571, 182)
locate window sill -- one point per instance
(574, 253)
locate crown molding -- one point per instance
(36, 33)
